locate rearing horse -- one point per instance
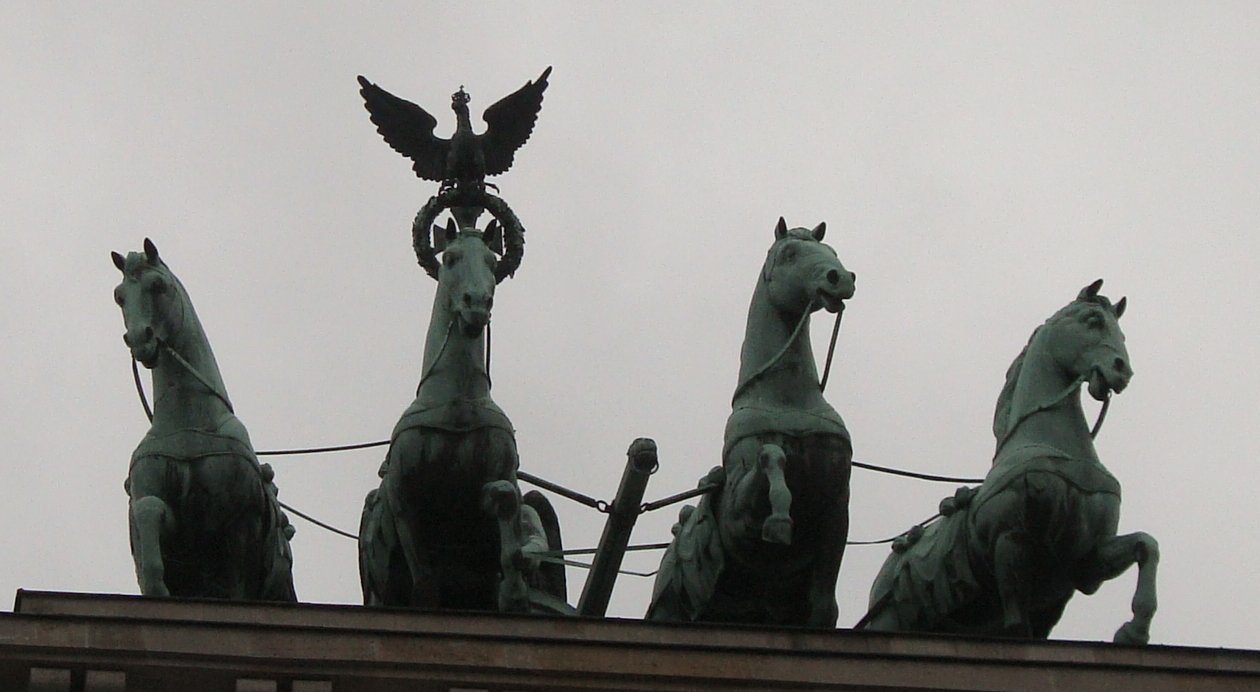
(1007, 556)
(204, 517)
(447, 528)
(766, 546)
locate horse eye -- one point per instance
(450, 258)
(1094, 320)
(118, 298)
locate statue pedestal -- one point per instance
(117, 643)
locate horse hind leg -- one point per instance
(1011, 570)
(151, 518)
(1109, 561)
(777, 527)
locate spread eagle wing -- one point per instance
(509, 123)
(408, 129)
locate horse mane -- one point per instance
(1002, 423)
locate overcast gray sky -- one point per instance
(976, 165)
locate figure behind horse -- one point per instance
(1007, 556)
(203, 514)
(766, 547)
(448, 528)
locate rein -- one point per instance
(198, 376)
(1102, 414)
(831, 349)
(438, 358)
(144, 401)
(1074, 387)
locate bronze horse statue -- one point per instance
(1006, 557)
(766, 545)
(204, 517)
(448, 527)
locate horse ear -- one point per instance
(1091, 291)
(493, 237)
(1120, 306)
(151, 251)
(780, 230)
(820, 230)
(439, 238)
(118, 260)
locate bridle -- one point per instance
(167, 349)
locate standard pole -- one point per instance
(640, 465)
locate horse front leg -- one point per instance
(503, 500)
(151, 518)
(1109, 561)
(777, 527)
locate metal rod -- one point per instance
(677, 497)
(641, 463)
(560, 490)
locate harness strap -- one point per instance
(773, 361)
(198, 376)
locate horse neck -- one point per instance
(1047, 401)
(180, 399)
(454, 364)
(792, 381)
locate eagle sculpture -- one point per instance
(467, 157)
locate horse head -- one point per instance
(151, 301)
(1085, 339)
(472, 263)
(802, 274)
(1082, 342)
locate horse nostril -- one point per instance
(127, 338)
(1120, 365)
(853, 277)
(833, 276)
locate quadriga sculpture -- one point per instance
(204, 517)
(1007, 556)
(766, 546)
(447, 528)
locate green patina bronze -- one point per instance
(466, 158)
(448, 527)
(204, 517)
(766, 546)
(1006, 557)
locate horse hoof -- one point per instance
(1132, 635)
(777, 530)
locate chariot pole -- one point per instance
(624, 511)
